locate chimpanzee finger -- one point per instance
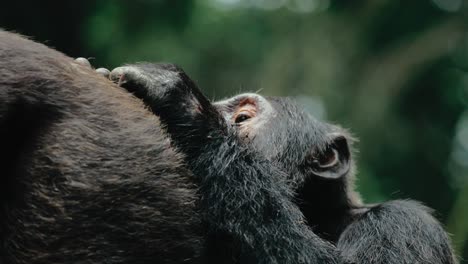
(104, 72)
(128, 77)
(83, 61)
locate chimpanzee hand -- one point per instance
(140, 78)
(148, 80)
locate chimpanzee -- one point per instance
(276, 185)
(89, 176)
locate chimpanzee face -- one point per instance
(285, 134)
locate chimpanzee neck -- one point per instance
(326, 206)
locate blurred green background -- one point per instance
(394, 72)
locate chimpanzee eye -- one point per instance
(241, 117)
(327, 159)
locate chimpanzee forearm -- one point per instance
(189, 117)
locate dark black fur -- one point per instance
(88, 176)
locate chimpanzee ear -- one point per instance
(333, 161)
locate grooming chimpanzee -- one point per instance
(263, 164)
(88, 175)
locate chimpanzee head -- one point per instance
(315, 155)
(281, 131)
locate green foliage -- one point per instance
(394, 72)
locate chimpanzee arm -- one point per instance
(250, 215)
(396, 232)
(190, 119)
